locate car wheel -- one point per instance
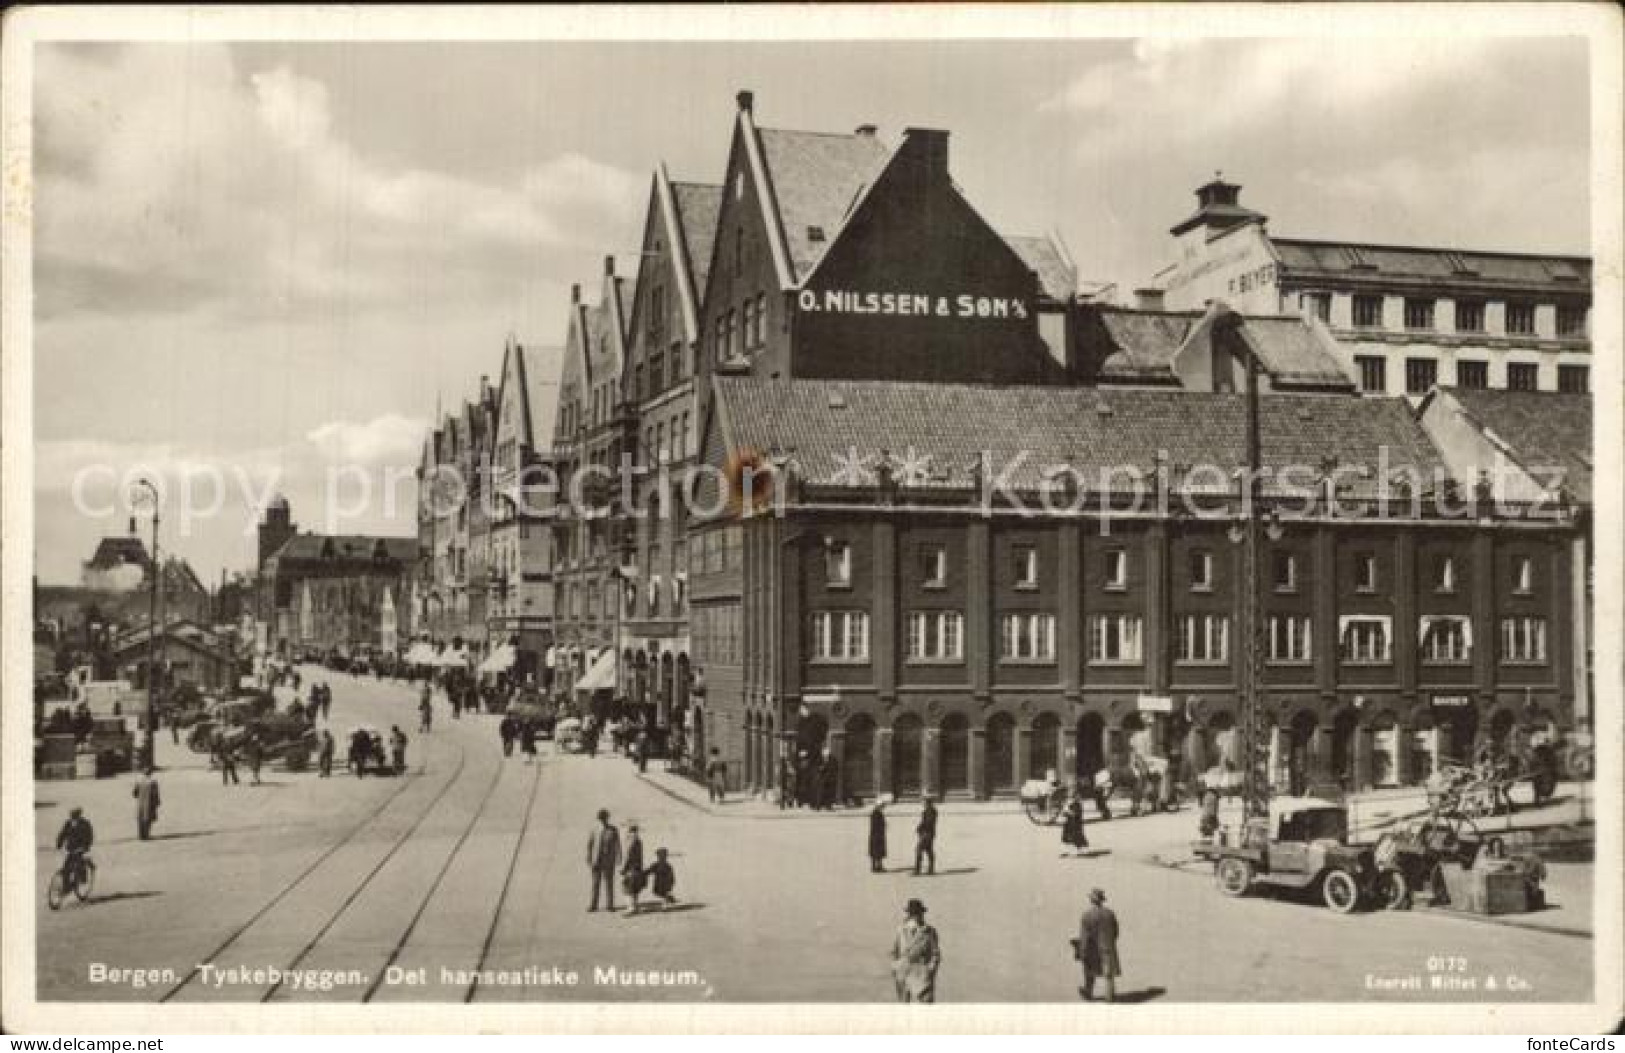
(1233, 876)
(1340, 891)
(1393, 889)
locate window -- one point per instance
(1444, 574)
(1116, 569)
(1284, 568)
(1521, 319)
(1289, 638)
(1575, 380)
(1027, 637)
(1418, 314)
(936, 636)
(747, 325)
(1523, 575)
(840, 636)
(1469, 316)
(675, 362)
(1365, 639)
(838, 565)
(1470, 374)
(1203, 638)
(1201, 571)
(1373, 372)
(1420, 375)
(1523, 640)
(1114, 638)
(657, 372)
(761, 319)
(682, 437)
(1365, 572)
(720, 351)
(1571, 321)
(1446, 638)
(657, 310)
(933, 566)
(732, 339)
(1523, 376)
(1026, 566)
(1316, 305)
(1367, 312)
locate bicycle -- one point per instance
(79, 884)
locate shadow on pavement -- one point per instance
(672, 909)
(183, 835)
(1136, 997)
(949, 873)
(114, 897)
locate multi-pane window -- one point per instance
(1203, 638)
(1523, 575)
(1523, 639)
(1373, 372)
(1418, 313)
(674, 362)
(933, 565)
(761, 319)
(1289, 638)
(1521, 318)
(841, 636)
(1469, 316)
(1420, 375)
(936, 635)
(1523, 376)
(1115, 638)
(1201, 571)
(1116, 569)
(838, 565)
(1284, 572)
(1368, 312)
(1026, 566)
(748, 324)
(1446, 638)
(1317, 305)
(1471, 374)
(1444, 574)
(1027, 636)
(1366, 639)
(1574, 380)
(1365, 572)
(733, 334)
(1571, 321)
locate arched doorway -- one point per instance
(664, 689)
(905, 755)
(858, 760)
(1300, 752)
(955, 745)
(1458, 732)
(1001, 753)
(1043, 753)
(1345, 728)
(811, 731)
(1502, 732)
(1091, 747)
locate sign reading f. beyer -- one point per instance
(964, 305)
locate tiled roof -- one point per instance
(698, 206)
(1147, 341)
(821, 423)
(1057, 278)
(1291, 352)
(1436, 265)
(816, 178)
(1543, 429)
(351, 546)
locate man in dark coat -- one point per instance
(147, 800)
(925, 844)
(603, 858)
(829, 780)
(227, 758)
(255, 754)
(1097, 947)
(877, 838)
(509, 731)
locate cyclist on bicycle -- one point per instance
(75, 838)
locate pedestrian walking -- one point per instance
(663, 878)
(425, 712)
(324, 756)
(1097, 947)
(454, 695)
(925, 838)
(508, 730)
(397, 748)
(1072, 834)
(877, 838)
(255, 755)
(1102, 789)
(589, 736)
(640, 751)
(327, 700)
(603, 857)
(632, 876)
(716, 777)
(226, 757)
(1209, 823)
(787, 784)
(527, 740)
(175, 727)
(147, 799)
(360, 750)
(916, 953)
(829, 780)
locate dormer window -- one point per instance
(815, 234)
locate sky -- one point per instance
(261, 267)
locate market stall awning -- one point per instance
(600, 675)
(500, 660)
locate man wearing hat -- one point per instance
(1097, 947)
(603, 857)
(916, 953)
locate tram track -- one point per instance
(507, 884)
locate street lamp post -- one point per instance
(148, 745)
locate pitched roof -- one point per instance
(816, 177)
(1435, 265)
(540, 392)
(698, 205)
(822, 423)
(1540, 429)
(117, 551)
(1287, 347)
(1057, 278)
(1146, 341)
(350, 546)
(1292, 352)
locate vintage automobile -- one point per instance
(1410, 858)
(1302, 846)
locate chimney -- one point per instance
(1148, 299)
(746, 100)
(575, 293)
(485, 388)
(609, 266)
(929, 147)
(132, 526)
(865, 130)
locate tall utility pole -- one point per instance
(152, 630)
(1255, 735)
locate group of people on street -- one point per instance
(925, 838)
(521, 730)
(810, 781)
(606, 859)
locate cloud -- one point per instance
(387, 440)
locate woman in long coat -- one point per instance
(1072, 825)
(877, 838)
(633, 876)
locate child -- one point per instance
(664, 878)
